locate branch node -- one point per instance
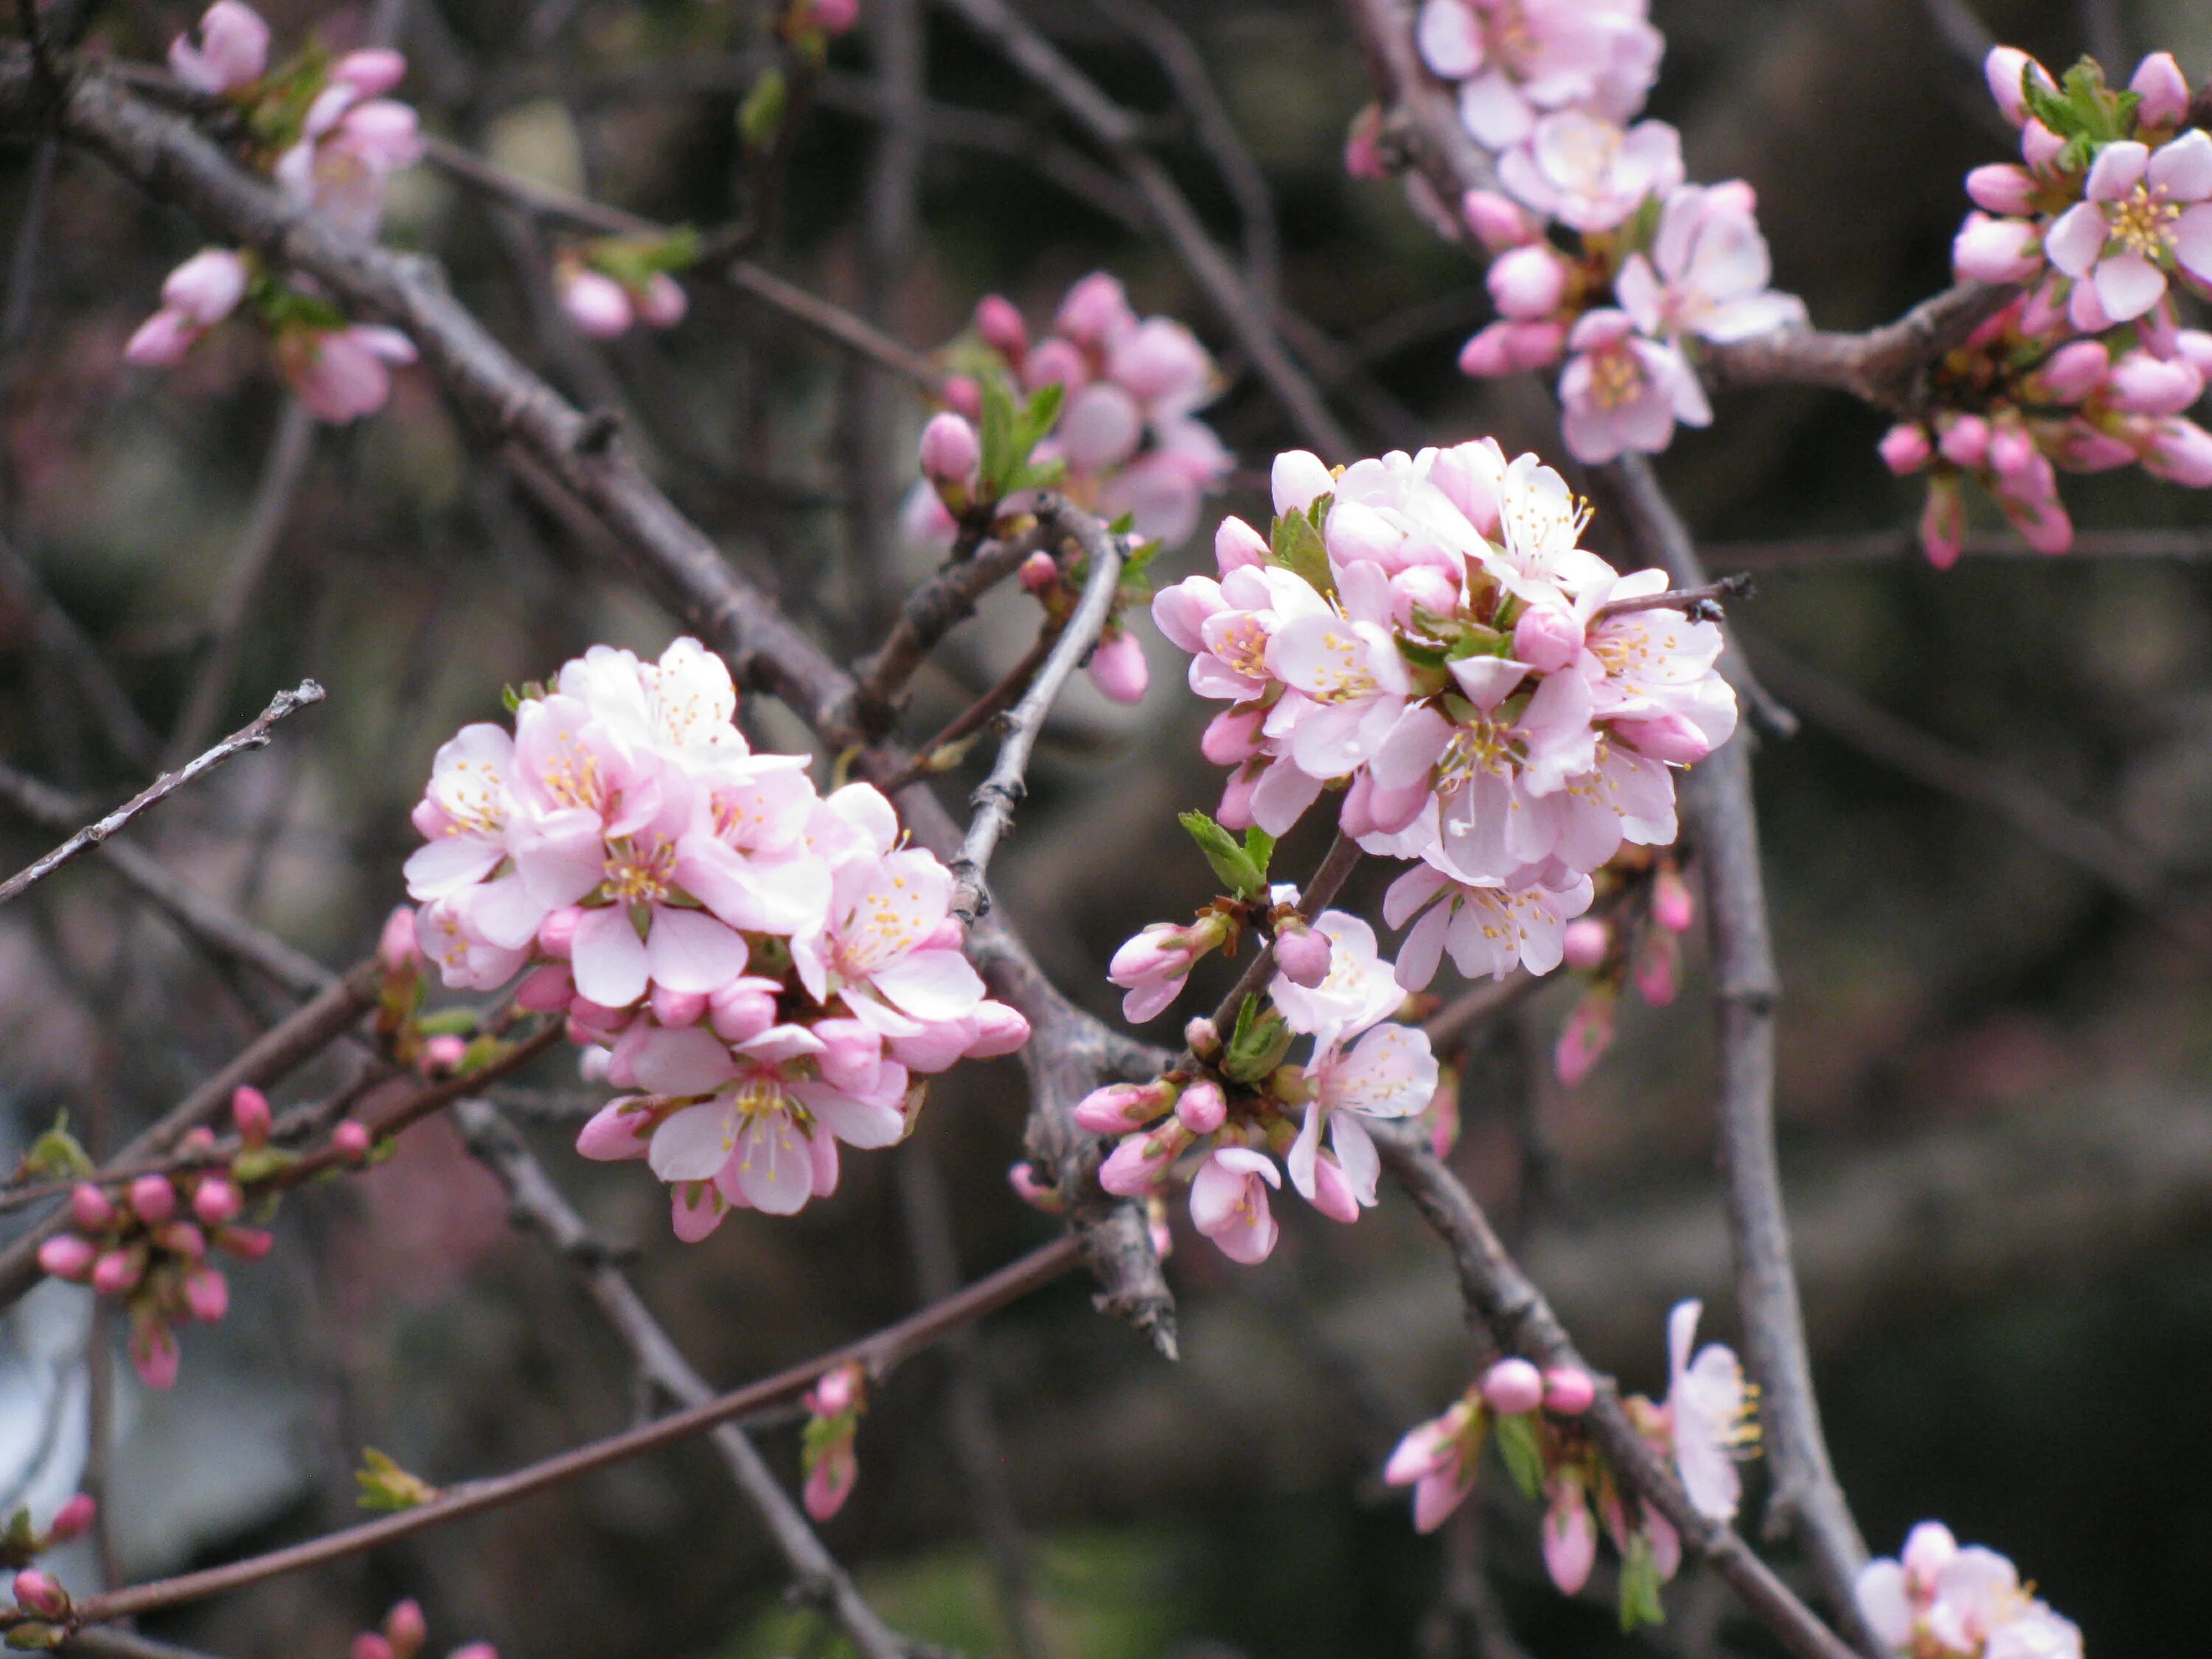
(599, 431)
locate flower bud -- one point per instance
(398, 951)
(216, 1201)
(1498, 222)
(1569, 1391)
(1905, 449)
(1943, 523)
(2194, 347)
(1141, 1161)
(2180, 452)
(662, 303)
(405, 1628)
(206, 287)
(1671, 904)
(2012, 455)
(999, 321)
(1202, 1108)
(38, 1592)
(594, 303)
(182, 1238)
(1202, 1036)
(1585, 942)
(949, 450)
(73, 1520)
(1658, 968)
(1487, 356)
(207, 1293)
(1236, 545)
(2142, 385)
(1055, 363)
(117, 1272)
(1547, 638)
(153, 1199)
(249, 1109)
(1570, 1539)
(2005, 69)
(2164, 90)
(153, 1352)
(1528, 283)
(741, 1010)
(677, 1009)
(2005, 189)
(545, 990)
(1331, 1194)
(1588, 1034)
(1530, 346)
(1965, 441)
(68, 1255)
(2073, 371)
(1022, 1178)
(1669, 737)
(1119, 1109)
(444, 1053)
(246, 1243)
(1232, 737)
(1303, 955)
(90, 1209)
(963, 394)
(1513, 1387)
(371, 72)
(370, 1645)
(349, 1141)
(1117, 667)
(1040, 573)
(2040, 148)
(556, 934)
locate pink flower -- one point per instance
(1229, 1203)
(1624, 391)
(1938, 1599)
(1488, 930)
(1437, 1460)
(206, 287)
(2163, 89)
(233, 49)
(1989, 250)
(1152, 965)
(881, 948)
(1117, 667)
(1529, 282)
(1707, 1408)
(341, 375)
(1708, 273)
(2149, 213)
(1590, 174)
(598, 305)
(1389, 1073)
(1517, 60)
(1569, 1535)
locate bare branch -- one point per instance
(58, 633)
(1695, 601)
(931, 612)
(253, 735)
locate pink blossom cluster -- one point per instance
(605, 296)
(827, 1455)
(1938, 1601)
(2109, 212)
(1702, 1429)
(1362, 1066)
(1127, 433)
(1516, 61)
(332, 142)
(402, 1634)
(769, 969)
(1639, 944)
(1426, 633)
(147, 1244)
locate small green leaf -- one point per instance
(257, 1163)
(448, 1022)
(385, 1485)
(1003, 453)
(1296, 544)
(56, 1155)
(1259, 1044)
(1238, 873)
(1259, 848)
(1639, 1588)
(1524, 1458)
(34, 1637)
(763, 111)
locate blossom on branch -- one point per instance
(1938, 1601)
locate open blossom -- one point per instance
(2149, 213)
(1706, 1412)
(1708, 271)
(768, 969)
(1938, 1601)
(1588, 174)
(1624, 391)
(341, 375)
(1514, 59)
(232, 53)
(1229, 1203)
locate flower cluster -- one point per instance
(606, 286)
(147, 1244)
(1937, 1601)
(1120, 436)
(1497, 702)
(325, 133)
(403, 1633)
(827, 1458)
(1232, 1125)
(1644, 263)
(2109, 211)
(768, 968)
(1702, 1429)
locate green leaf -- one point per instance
(763, 111)
(1259, 848)
(56, 1155)
(1259, 1044)
(1003, 453)
(1243, 877)
(1296, 544)
(1524, 1457)
(385, 1485)
(33, 1638)
(257, 1163)
(1639, 1588)
(448, 1022)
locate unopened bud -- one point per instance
(405, 1629)
(949, 450)
(182, 1238)
(117, 1272)
(69, 1256)
(1022, 1178)
(677, 1009)
(443, 1054)
(370, 1645)
(398, 951)
(207, 1293)
(153, 1199)
(1120, 1108)
(1202, 1036)
(1585, 943)
(1547, 638)
(73, 1520)
(1671, 906)
(1040, 573)
(1303, 956)
(999, 321)
(38, 1592)
(545, 990)
(1906, 449)
(349, 1141)
(217, 1200)
(246, 1243)
(1202, 1108)
(965, 396)
(90, 1209)
(1569, 1391)
(1513, 1387)
(249, 1109)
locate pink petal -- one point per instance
(2183, 168)
(2128, 286)
(2077, 238)
(688, 950)
(2117, 169)
(608, 958)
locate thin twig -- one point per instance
(1693, 600)
(995, 797)
(934, 754)
(58, 635)
(253, 735)
(879, 1353)
(536, 1202)
(931, 612)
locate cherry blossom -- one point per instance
(1516, 59)
(1624, 390)
(1588, 174)
(1708, 271)
(1229, 1203)
(2148, 212)
(1706, 1411)
(1938, 1601)
(232, 53)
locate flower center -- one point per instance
(2143, 221)
(1350, 678)
(641, 875)
(571, 776)
(1616, 378)
(1481, 747)
(1244, 647)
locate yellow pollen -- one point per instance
(1616, 378)
(2143, 222)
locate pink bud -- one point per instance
(1905, 449)
(1040, 573)
(2004, 69)
(206, 287)
(1362, 146)
(950, 452)
(198, 1142)
(2181, 452)
(1331, 1194)
(545, 990)
(1303, 955)
(595, 302)
(154, 1354)
(965, 395)
(2194, 347)
(182, 1238)
(1201, 1035)
(1022, 1178)
(405, 1628)
(614, 1132)
(662, 303)
(1658, 968)
(1585, 943)
(89, 1208)
(1531, 346)
(246, 1243)
(1141, 1161)
(1943, 523)
(349, 1141)
(249, 1109)
(1668, 738)
(370, 1645)
(1570, 1540)
(2040, 148)
(1588, 1034)
(2073, 371)
(1118, 669)
(1513, 1387)
(1671, 905)
(1236, 545)
(216, 1201)
(677, 1009)
(1118, 1109)
(1487, 356)
(68, 1255)
(398, 951)
(1965, 441)
(1569, 1391)
(1528, 283)
(2164, 90)
(73, 1520)
(2012, 452)
(1202, 1108)
(153, 1199)
(557, 934)
(1498, 222)
(2004, 188)
(836, 18)
(741, 1010)
(484, 1649)
(1547, 638)
(834, 1394)
(998, 320)
(1231, 736)
(1055, 362)
(2142, 385)
(117, 1272)
(444, 1053)
(371, 72)
(162, 340)
(207, 1293)
(37, 1592)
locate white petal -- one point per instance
(693, 1144)
(688, 950)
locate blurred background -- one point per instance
(1987, 850)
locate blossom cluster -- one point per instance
(1702, 1429)
(2108, 213)
(770, 970)
(1938, 1601)
(1496, 702)
(147, 1244)
(402, 1634)
(1644, 264)
(325, 133)
(1123, 437)
(607, 285)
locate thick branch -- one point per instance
(254, 735)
